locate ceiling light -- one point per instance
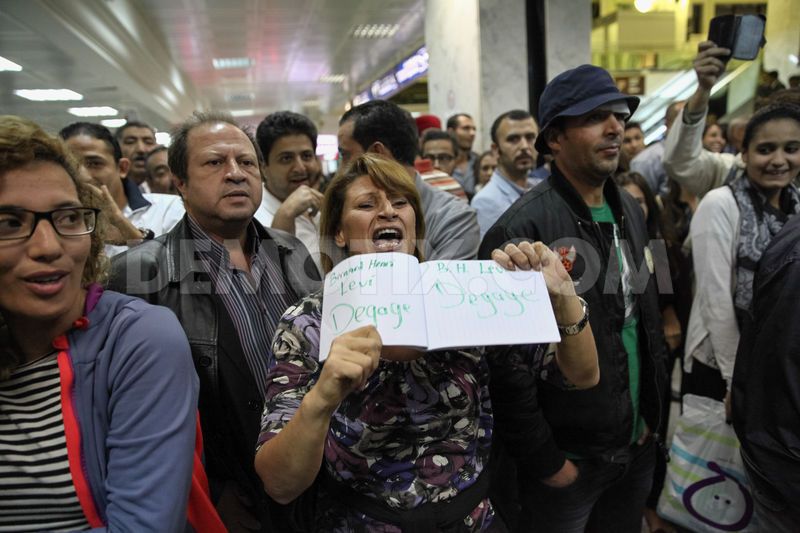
(113, 122)
(48, 95)
(333, 78)
(102, 111)
(7, 64)
(163, 138)
(241, 98)
(243, 112)
(221, 63)
(374, 31)
(643, 6)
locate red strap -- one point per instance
(81, 323)
(72, 433)
(201, 512)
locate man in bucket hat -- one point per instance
(585, 457)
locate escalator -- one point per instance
(737, 87)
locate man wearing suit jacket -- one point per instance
(229, 280)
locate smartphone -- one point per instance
(742, 34)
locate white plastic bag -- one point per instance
(706, 489)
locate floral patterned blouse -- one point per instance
(419, 432)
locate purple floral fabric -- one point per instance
(419, 432)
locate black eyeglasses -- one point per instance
(67, 221)
(442, 158)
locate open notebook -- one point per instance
(436, 304)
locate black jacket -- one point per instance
(766, 378)
(537, 418)
(165, 272)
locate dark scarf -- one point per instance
(759, 222)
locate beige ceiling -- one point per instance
(152, 59)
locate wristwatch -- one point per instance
(577, 327)
(147, 234)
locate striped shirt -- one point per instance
(255, 301)
(36, 488)
(444, 182)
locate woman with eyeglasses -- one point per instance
(98, 393)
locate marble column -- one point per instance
(478, 60)
(504, 60)
(568, 34)
(478, 55)
(452, 38)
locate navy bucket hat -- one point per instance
(576, 92)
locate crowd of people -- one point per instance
(161, 308)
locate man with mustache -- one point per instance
(513, 137)
(289, 142)
(585, 458)
(229, 280)
(137, 139)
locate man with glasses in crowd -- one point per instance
(440, 149)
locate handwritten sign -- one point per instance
(374, 289)
(437, 304)
(478, 303)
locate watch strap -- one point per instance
(577, 327)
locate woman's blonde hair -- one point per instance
(385, 174)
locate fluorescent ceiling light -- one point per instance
(163, 138)
(102, 111)
(7, 64)
(243, 112)
(221, 63)
(333, 78)
(374, 31)
(48, 95)
(113, 122)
